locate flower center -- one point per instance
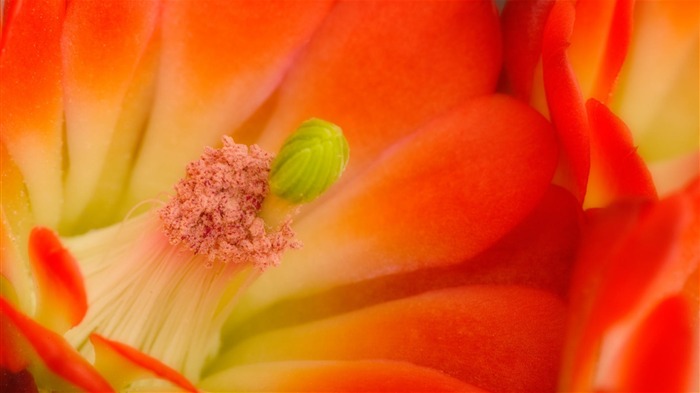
(215, 211)
(145, 280)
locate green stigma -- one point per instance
(310, 161)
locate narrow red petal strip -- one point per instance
(564, 99)
(30, 93)
(62, 301)
(617, 171)
(523, 25)
(125, 363)
(27, 343)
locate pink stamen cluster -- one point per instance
(215, 209)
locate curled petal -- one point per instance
(62, 301)
(27, 343)
(506, 338)
(617, 171)
(122, 364)
(565, 100)
(335, 376)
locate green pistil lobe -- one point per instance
(311, 160)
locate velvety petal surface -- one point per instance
(425, 203)
(380, 70)
(30, 92)
(496, 338)
(218, 64)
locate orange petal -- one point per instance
(617, 171)
(633, 256)
(62, 302)
(220, 61)
(122, 364)
(496, 338)
(30, 92)
(26, 343)
(103, 43)
(565, 100)
(334, 376)
(538, 253)
(446, 193)
(382, 69)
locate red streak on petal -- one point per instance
(523, 27)
(52, 350)
(62, 297)
(141, 361)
